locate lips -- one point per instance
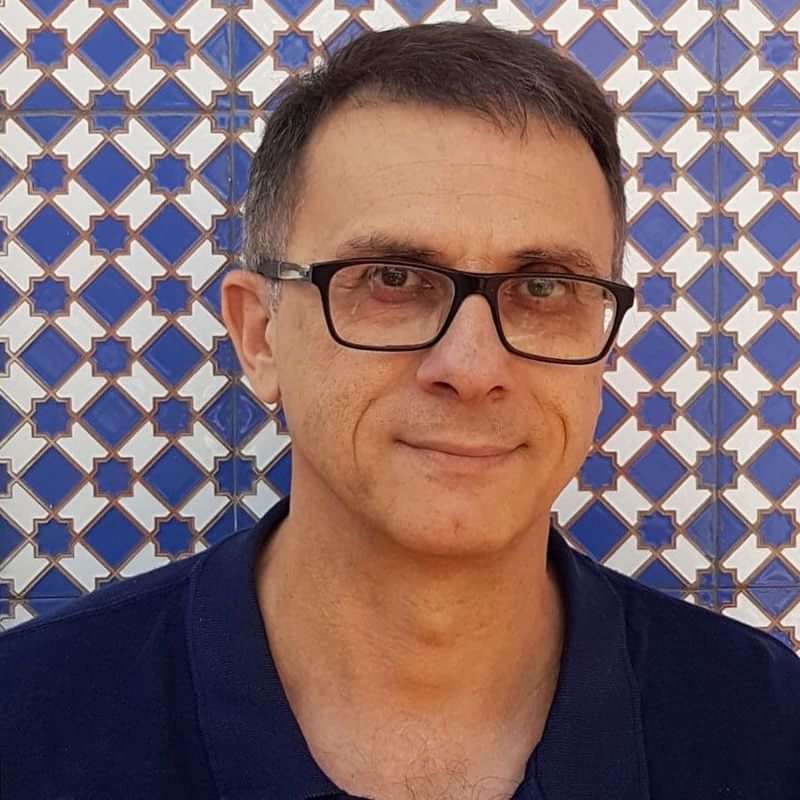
(471, 451)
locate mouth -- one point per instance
(467, 460)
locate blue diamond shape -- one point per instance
(657, 575)
(52, 538)
(729, 407)
(112, 416)
(8, 296)
(731, 169)
(246, 49)
(776, 350)
(46, 173)
(170, 96)
(49, 296)
(47, 96)
(6, 47)
(172, 355)
(108, 47)
(108, 173)
(778, 9)
(234, 518)
(774, 573)
(656, 351)
(778, 96)
(50, 356)
(171, 234)
(280, 473)
(731, 528)
(660, 98)
(777, 230)
(611, 413)
(703, 171)
(731, 48)
(657, 231)
(48, 234)
(703, 50)
(10, 540)
(173, 476)
(45, 127)
(216, 50)
(110, 295)
(658, 8)
(775, 600)
(170, 7)
(597, 48)
(114, 537)
(50, 417)
(598, 529)
(415, 10)
(51, 477)
(9, 417)
(173, 537)
(776, 470)
(217, 173)
(7, 173)
(52, 584)
(235, 406)
(656, 471)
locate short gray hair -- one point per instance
(498, 74)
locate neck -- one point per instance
(360, 627)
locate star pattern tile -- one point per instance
(128, 437)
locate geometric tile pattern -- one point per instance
(128, 438)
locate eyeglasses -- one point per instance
(397, 304)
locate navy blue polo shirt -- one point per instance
(162, 686)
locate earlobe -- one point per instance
(252, 331)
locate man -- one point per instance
(407, 625)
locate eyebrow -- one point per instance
(379, 245)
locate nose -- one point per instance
(470, 358)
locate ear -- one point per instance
(252, 328)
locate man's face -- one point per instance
(451, 182)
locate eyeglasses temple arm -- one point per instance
(284, 270)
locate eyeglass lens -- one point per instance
(386, 305)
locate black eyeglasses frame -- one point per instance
(320, 273)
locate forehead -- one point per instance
(451, 181)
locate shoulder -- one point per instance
(699, 660)
(112, 610)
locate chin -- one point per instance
(449, 529)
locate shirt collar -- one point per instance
(592, 744)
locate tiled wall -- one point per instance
(128, 439)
